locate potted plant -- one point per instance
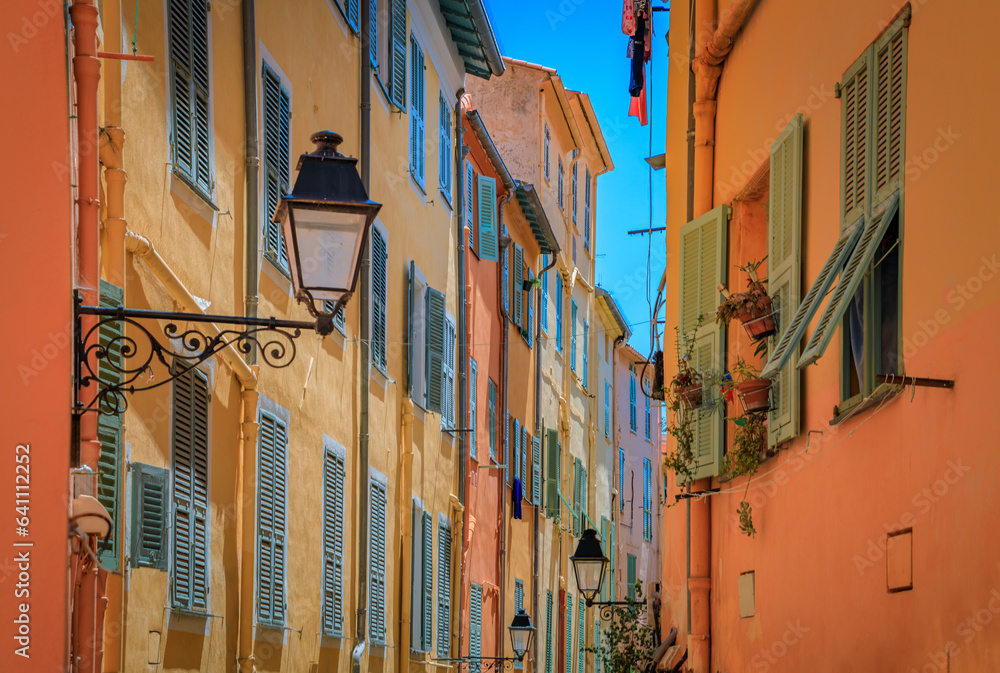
(753, 308)
(686, 384)
(743, 459)
(754, 392)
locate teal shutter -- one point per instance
(486, 207)
(581, 636)
(569, 633)
(427, 581)
(544, 317)
(444, 145)
(630, 560)
(397, 64)
(597, 646)
(190, 491)
(506, 277)
(577, 496)
(475, 621)
(380, 290)
(271, 513)
(506, 441)
(607, 409)
(559, 312)
(418, 117)
(492, 393)
(377, 571)
(517, 286)
(470, 177)
(514, 468)
(548, 631)
(586, 351)
(189, 69)
(536, 471)
(353, 14)
(334, 473)
(524, 461)
(647, 415)
(573, 182)
(109, 425)
(586, 212)
(552, 474)
(613, 555)
(473, 395)
(373, 33)
(277, 123)
(435, 351)
(632, 423)
(149, 516)
(572, 327)
(518, 595)
(444, 591)
(647, 500)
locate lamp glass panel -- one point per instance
(329, 247)
(589, 574)
(520, 640)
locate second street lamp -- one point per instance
(589, 566)
(522, 632)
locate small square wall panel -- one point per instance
(899, 560)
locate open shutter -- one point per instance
(890, 110)
(109, 425)
(586, 351)
(506, 253)
(573, 191)
(855, 134)
(470, 178)
(525, 458)
(552, 474)
(398, 62)
(427, 582)
(444, 591)
(784, 276)
(487, 193)
(276, 127)
(149, 516)
(517, 285)
(518, 595)
(548, 631)
(416, 585)
(492, 395)
(572, 335)
(435, 350)
(353, 13)
(577, 496)
(380, 282)
(536, 470)
(188, 22)
(850, 278)
(473, 403)
(333, 543)
(475, 621)
(514, 468)
(373, 33)
(586, 212)
(199, 95)
(702, 269)
(376, 553)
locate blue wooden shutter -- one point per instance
(444, 590)
(271, 513)
(572, 341)
(536, 470)
(559, 312)
(418, 116)
(648, 415)
(545, 295)
(473, 396)
(109, 425)
(376, 553)
(353, 14)
(444, 145)
(277, 124)
(470, 178)
(506, 442)
(492, 393)
(189, 65)
(581, 636)
(334, 472)
(569, 632)
(573, 191)
(380, 289)
(373, 33)
(427, 581)
(190, 491)
(505, 261)
(487, 194)
(597, 646)
(149, 516)
(647, 500)
(397, 63)
(632, 424)
(475, 621)
(586, 351)
(548, 631)
(435, 350)
(586, 213)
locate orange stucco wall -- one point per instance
(924, 460)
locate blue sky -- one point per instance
(582, 39)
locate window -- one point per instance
(607, 410)
(486, 207)
(469, 186)
(431, 349)
(560, 197)
(397, 58)
(546, 152)
(444, 147)
(545, 295)
(473, 385)
(149, 516)
(573, 188)
(559, 312)
(536, 470)
(277, 113)
(648, 414)
(418, 139)
(647, 500)
(351, 10)
(109, 426)
(475, 621)
(581, 619)
(492, 394)
(621, 480)
(189, 435)
(517, 284)
(631, 570)
(271, 513)
(422, 589)
(190, 139)
(586, 353)
(569, 632)
(553, 460)
(380, 289)
(518, 595)
(586, 212)
(448, 375)
(548, 631)
(334, 474)
(444, 590)
(338, 320)
(376, 555)
(572, 338)
(632, 424)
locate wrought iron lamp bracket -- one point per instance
(480, 664)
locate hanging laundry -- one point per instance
(628, 17)
(637, 107)
(636, 78)
(516, 494)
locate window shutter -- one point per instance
(586, 212)
(609, 576)
(621, 479)
(379, 270)
(586, 351)
(583, 499)
(444, 591)
(427, 581)
(573, 190)
(548, 631)
(449, 371)
(190, 491)
(607, 409)
(524, 461)
(552, 474)
(416, 583)
(855, 133)
(506, 253)
(517, 285)
(353, 14)
(850, 278)
(277, 120)
(473, 386)
(149, 516)
(271, 520)
(569, 632)
(518, 595)
(487, 188)
(545, 295)
(536, 470)
(632, 424)
(577, 497)
(529, 322)
(334, 472)
(189, 64)
(444, 165)
(631, 577)
(492, 394)
(597, 646)
(890, 110)
(422, 118)
(109, 426)
(783, 260)
(373, 34)
(703, 268)
(572, 336)
(417, 112)
(546, 151)
(559, 312)
(475, 621)
(614, 562)
(559, 185)
(514, 468)
(470, 178)
(398, 62)
(581, 642)
(376, 553)
(506, 439)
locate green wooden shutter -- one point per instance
(552, 474)
(889, 110)
(277, 125)
(586, 351)
(109, 425)
(548, 631)
(470, 179)
(525, 461)
(855, 114)
(702, 269)
(492, 394)
(581, 643)
(475, 621)
(271, 512)
(380, 289)
(794, 329)
(536, 470)
(411, 326)
(473, 397)
(427, 532)
(850, 278)
(397, 64)
(569, 632)
(631, 576)
(149, 516)
(647, 500)
(517, 285)
(377, 571)
(486, 207)
(189, 65)
(444, 590)
(334, 473)
(189, 588)
(784, 276)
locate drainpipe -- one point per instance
(252, 164)
(464, 304)
(504, 241)
(406, 525)
(364, 321)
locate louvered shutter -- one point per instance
(536, 470)
(586, 354)
(518, 595)
(586, 212)
(449, 371)
(559, 312)
(703, 268)
(525, 457)
(373, 33)
(475, 621)
(487, 194)
(444, 591)
(855, 134)
(492, 394)
(189, 64)
(277, 124)
(548, 631)
(613, 555)
(190, 491)
(417, 112)
(427, 582)
(528, 328)
(583, 499)
(607, 409)
(573, 191)
(559, 185)
(783, 260)
(444, 145)
(416, 582)
(506, 253)
(271, 550)
(647, 515)
(631, 576)
(353, 13)
(517, 285)
(572, 335)
(581, 642)
(149, 516)
(569, 633)
(334, 472)
(577, 497)
(470, 178)
(597, 646)
(376, 553)
(647, 421)
(632, 424)
(109, 425)
(380, 288)
(552, 474)
(514, 468)
(890, 110)
(473, 397)
(850, 278)
(398, 62)
(544, 317)
(546, 151)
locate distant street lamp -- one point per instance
(589, 566)
(522, 632)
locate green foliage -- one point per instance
(681, 460)
(749, 442)
(753, 301)
(627, 644)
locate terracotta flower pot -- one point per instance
(755, 395)
(691, 395)
(759, 323)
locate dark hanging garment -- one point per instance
(516, 493)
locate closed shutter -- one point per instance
(517, 285)
(416, 584)
(631, 576)
(149, 516)
(435, 350)
(536, 470)
(506, 253)
(528, 328)
(475, 621)
(632, 424)
(850, 278)
(271, 513)
(569, 633)
(189, 65)
(492, 393)
(380, 288)
(890, 110)
(518, 595)
(583, 499)
(607, 409)
(548, 631)
(417, 112)
(572, 336)
(473, 395)
(506, 441)
(514, 468)
(613, 555)
(427, 582)
(647, 514)
(277, 125)
(546, 151)
(573, 191)
(855, 134)
(581, 642)
(586, 212)
(444, 146)
(397, 87)
(470, 178)
(647, 420)
(784, 277)
(544, 317)
(444, 591)
(586, 353)
(559, 312)
(597, 646)
(109, 425)
(702, 269)
(334, 472)
(524, 461)
(190, 491)
(449, 373)
(487, 194)
(376, 554)
(552, 474)
(577, 496)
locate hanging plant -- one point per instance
(753, 308)
(744, 380)
(684, 396)
(743, 460)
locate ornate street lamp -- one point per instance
(589, 566)
(325, 222)
(522, 633)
